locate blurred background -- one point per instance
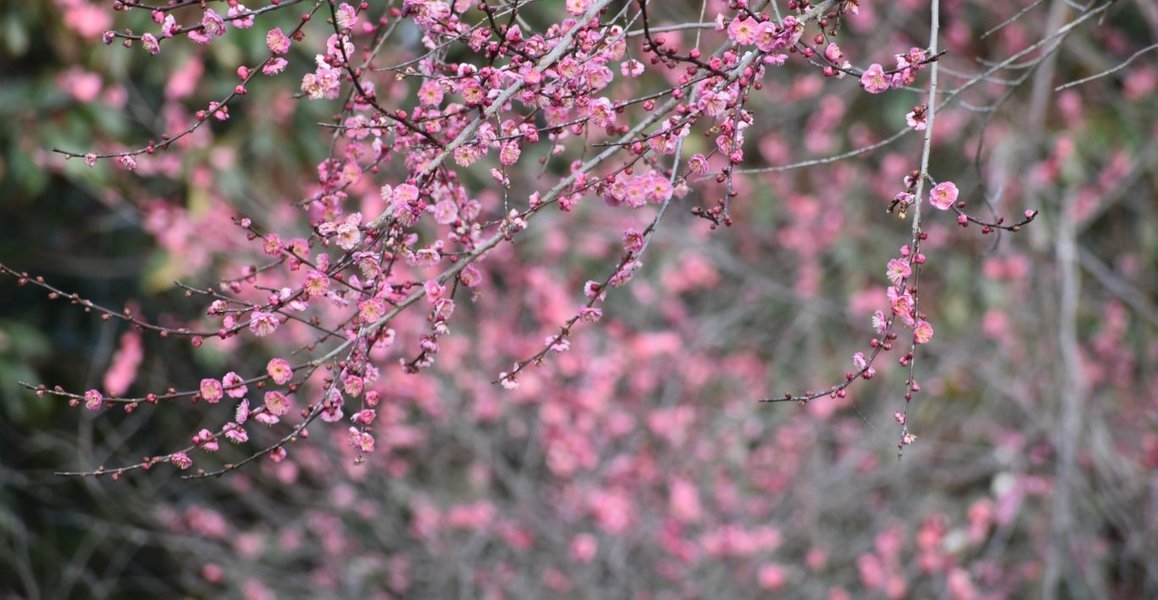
(639, 463)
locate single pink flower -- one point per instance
(279, 370)
(743, 31)
(262, 323)
(631, 68)
(277, 403)
(364, 416)
(235, 434)
(211, 390)
(213, 23)
(241, 413)
(242, 17)
(150, 44)
(430, 93)
(234, 385)
(274, 66)
(277, 41)
(898, 270)
(943, 195)
(874, 80)
(205, 439)
(180, 460)
(922, 332)
(509, 153)
(445, 212)
(577, 7)
(371, 310)
(93, 399)
(348, 235)
(879, 322)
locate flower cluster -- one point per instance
(414, 198)
(876, 80)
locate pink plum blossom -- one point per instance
(874, 80)
(943, 195)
